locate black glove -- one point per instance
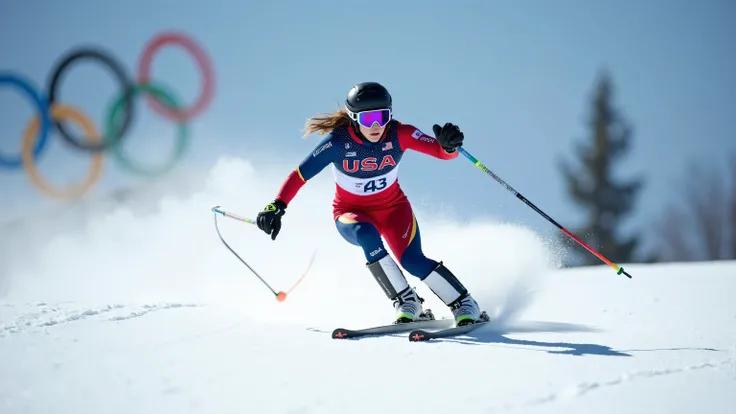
(449, 136)
(269, 220)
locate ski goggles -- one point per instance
(368, 118)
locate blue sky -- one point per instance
(517, 78)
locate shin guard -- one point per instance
(445, 285)
(389, 276)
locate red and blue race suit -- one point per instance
(369, 202)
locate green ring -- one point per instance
(183, 137)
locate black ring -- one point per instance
(126, 82)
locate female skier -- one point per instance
(364, 144)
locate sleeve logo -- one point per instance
(322, 148)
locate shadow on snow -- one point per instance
(496, 334)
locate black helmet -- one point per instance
(368, 95)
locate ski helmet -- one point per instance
(368, 95)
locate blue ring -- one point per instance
(42, 106)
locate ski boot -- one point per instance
(451, 291)
(466, 311)
(407, 304)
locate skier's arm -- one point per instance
(412, 138)
(322, 156)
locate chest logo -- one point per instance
(368, 164)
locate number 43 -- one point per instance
(372, 186)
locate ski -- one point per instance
(343, 333)
(420, 335)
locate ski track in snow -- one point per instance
(582, 388)
(51, 315)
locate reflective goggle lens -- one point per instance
(368, 118)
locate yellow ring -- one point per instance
(58, 113)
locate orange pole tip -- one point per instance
(281, 296)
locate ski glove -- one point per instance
(269, 220)
(449, 136)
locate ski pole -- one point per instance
(217, 209)
(281, 295)
(620, 270)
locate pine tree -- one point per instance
(593, 186)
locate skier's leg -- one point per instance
(404, 239)
(358, 229)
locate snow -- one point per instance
(145, 311)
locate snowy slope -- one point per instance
(149, 313)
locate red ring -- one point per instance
(144, 70)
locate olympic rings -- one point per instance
(24, 85)
(59, 112)
(182, 142)
(125, 81)
(52, 114)
(144, 71)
